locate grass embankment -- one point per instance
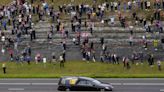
(56, 3)
(99, 70)
(5, 2)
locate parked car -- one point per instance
(82, 84)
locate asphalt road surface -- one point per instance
(50, 85)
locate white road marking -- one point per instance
(152, 79)
(29, 79)
(56, 79)
(116, 84)
(161, 89)
(15, 89)
(15, 83)
(144, 84)
(44, 83)
(126, 84)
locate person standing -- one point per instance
(29, 51)
(28, 59)
(112, 6)
(159, 65)
(131, 40)
(124, 61)
(31, 35)
(93, 56)
(64, 55)
(4, 68)
(44, 62)
(64, 45)
(34, 33)
(163, 4)
(151, 60)
(92, 45)
(52, 28)
(61, 61)
(53, 58)
(102, 57)
(102, 40)
(36, 59)
(155, 43)
(11, 53)
(4, 23)
(141, 57)
(104, 48)
(127, 63)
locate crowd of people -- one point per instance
(19, 18)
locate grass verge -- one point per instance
(80, 68)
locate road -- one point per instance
(50, 85)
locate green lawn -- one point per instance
(5, 2)
(80, 68)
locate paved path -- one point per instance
(50, 85)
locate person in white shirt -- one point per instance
(3, 51)
(159, 65)
(61, 60)
(115, 5)
(3, 38)
(131, 40)
(112, 20)
(129, 5)
(36, 59)
(44, 61)
(148, 4)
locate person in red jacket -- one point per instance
(11, 54)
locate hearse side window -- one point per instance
(89, 83)
(63, 81)
(84, 83)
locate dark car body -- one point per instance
(82, 84)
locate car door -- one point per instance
(85, 85)
(91, 86)
(81, 85)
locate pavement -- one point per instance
(50, 85)
(116, 39)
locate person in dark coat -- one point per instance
(64, 56)
(102, 40)
(149, 59)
